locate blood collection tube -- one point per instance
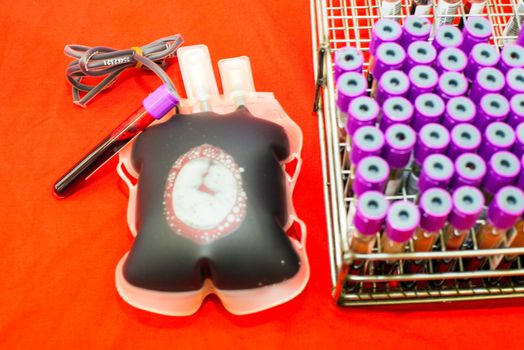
(498, 136)
(420, 7)
(415, 28)
(514, 82)
(396, 110)
(362, 111)
(367, 141)
(516, 21)
(470, 170)
(459, 110)
(481, 56)
(369, 217)
(503, 212)
(511, 56)
(349, 86)
(464, 138)
(516, 112)
(371, 174)
(389, 56)
(402, 219)
(503, 169)
(446, 11)
(391, 84)
(474, 7)
(154, 107)
(487, 80)
(451, 59)
(492, 108)
(476, 30)
(518, 147)
(437, 171)
(384, 31)
(348, 59)
(400, 140)
(429, 108)
(422, 79)
(419, 53)
(447, 36)
(391, 9)
(452, 84)
(517, 242)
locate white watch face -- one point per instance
(204, 199)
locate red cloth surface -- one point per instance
(57, 257)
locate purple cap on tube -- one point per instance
(422, 80)
(511, 56)
(160, 101)
(498, 136)
(476, 30)
(402, 219)
(488, 80)
(468, 203)
(503, 168)
(514, 82)
(518, 147)
(400, 140)
(464, 138)
(415, 29)
(434, 206)
(520, 182)
(432, 139)
(516, 113)
(420, 53)
(367, 141)
(492, 108)
(429, 108)
(371, 175)
(437, 171)
(520, 38)
(391, 84)
(384, 31)
(348, 59)
(451, 60)
(459, 110)
(362, 111)
(483, 55)
(372, 208)
(452, 84)
(388, 56)
(350, 85)
(396, 110)
(447, 36)
(506, 207)
(470, 170)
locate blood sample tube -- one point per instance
(400, 140)
(512, 28)
(371, 175)
(420, 7)
(389, 56)
(429, 108)
(422, 79)
(503, 169)
(415, 29)
(396, 110)
(349, 86)
(420, 53)
(369, 217)
(437, 171)
(402, 219)
(459, 110)
(516, 112)
(446, 11)
(492, 108)
(367, 141)
(348, 59)
(511, 56)
(452, 84)
(516, 242)
(503, 212)
(392, 83)
(362, 111)
(447, 36)
(391, 9)
(514, 82)
(470, 170)
(384, 31)
(483, 55)
(498, 136)
(476, 30)
(488, 80)
(464, 138)
(451, 59)
(518, 147)
(474, 7)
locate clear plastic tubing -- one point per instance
(400, 140)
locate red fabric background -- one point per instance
(57, 257)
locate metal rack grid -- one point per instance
(339, 23)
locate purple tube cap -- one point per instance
(511, 56)
(437, 171)
(430, 105)
(485, 55)
(421, 53)
(371, 210)
(518, 148)
(415, 28)
(498, 136)
(160, 101)
(490, 79)
(352, 84)
(452, 84)
(367, 141)
(384, 30)
(402, 219)
(515, 81)
(349, 59)
(493, 107)
(396, 110)
(503, 168)
(468, 203)
(516, 115)
(435, 206)
(371, 175)
(470, 170)
(448, 36)
(451, 60)
(400, 140)
(388, 56)
(506, 207)
(478, 28)
(423, 78)
(459, 110)
(464, 138)
(394, 83)
(432, 138)
(362, 111)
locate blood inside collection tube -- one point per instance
(400, 140)
(369, 216)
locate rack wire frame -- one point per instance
(339, 23)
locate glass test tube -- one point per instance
(371, 174)
(384, 31)
(498, 136)
(429, 108)
(392, 83)
(492, 108)
(514, 82)
(476, 30)
(422, 79)
(517, 242)
(452, 84)
(437, 171)
(464, 138)
(451, 59)
(487, 80)
(503, 169)
(518, 147)
(446, 11)
(390, 56)
(396, 110)
(459, 110)
(516, 112)
(447, 36)
(483, 55)
(400, 140)
(511, 56)
(470, 170)
(348, 59)
(415, 28)
(420, 53)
